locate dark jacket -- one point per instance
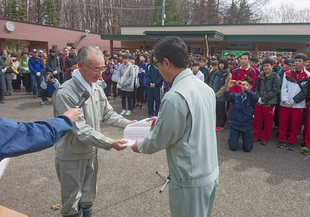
(152, 75)
(268, 88)
(52, 64)
(303, 93)
(205, 71)
(243, 109)
(141, 74)
(36, 65)
(70, 61)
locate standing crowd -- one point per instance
(259, 94)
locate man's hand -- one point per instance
(38, 74)
(118, 145)
(152, 85)
(153, 119)
(260, 102)
(289, 103)
(134, 147)
(73, 114)
(55, 72)
(134, 121)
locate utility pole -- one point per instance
(163, 14)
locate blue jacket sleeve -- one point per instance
(31, 66)
(20, 138)
(147, 75)
(159, 80)
(252, 97)
(229, 96)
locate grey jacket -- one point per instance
(128, 80)
(84, 139)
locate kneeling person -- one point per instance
(49, 85)
(242, 114)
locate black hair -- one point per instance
(195, 64)
(248, 79)
(268, 61)
(279, 54)
(254, 59)
(200, 59)
(286, 61)
(125, 56)
(174, 49)
(215, 63)
(225, 62)
(301, 56)
(132, 57)
(246, 54)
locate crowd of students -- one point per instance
(259, 94)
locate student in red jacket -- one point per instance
(245, 70)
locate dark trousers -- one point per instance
(27, 81)
(1, 87)
(247, 137)
(114, 89)
(44, 94)
(153, 94)
(140, 94)
(17, 83)
(107, 90)
(134, 99)
(127, 95)
(221, 115)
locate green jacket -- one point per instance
(185, 127)
(23, 65)
(268, 88)
(84, 139)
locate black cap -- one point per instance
(52, 51)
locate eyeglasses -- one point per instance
(97, 70)
(155, 64)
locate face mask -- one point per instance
(13, 58)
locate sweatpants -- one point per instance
(307, 128)
(291, 117)
(78, 180)
(153, 94)
(126, 95)
(221, 115)
(263, 115)
(140, 94)
(247, 137)
(193, 202)
(27, 81)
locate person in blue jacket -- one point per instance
(154, 81)
(141, 77)
(36, 66)
(18, 138)
(241, 114)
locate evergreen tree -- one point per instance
(172, 11)
(16, 11)
(212, 13)
(231, 14)
(50, 14)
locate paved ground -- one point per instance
(265, 182)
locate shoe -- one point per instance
(303, 144)
(2, 102)
(28, 93)
(14, 91)
(35, 96)
(219, 128)
(109, 97)
(263, 142)
(45, 102)
(280, 145)
(305, 150)
(9, 94)
(128, 113)
(18, 90)
(123, 112)
(290, 146)
(256, 140)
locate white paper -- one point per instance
(3, 165)
(136, 131)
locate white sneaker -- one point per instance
(128, 112)
(123, 112)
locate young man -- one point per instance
(114, 70)
(215, 68)
(291, 112)
(254, 64)
(219, 83)
(135, 81)
(154, 81)
(197, 72)
(302, 95)
(52, 63)
(125, 79)
(186, 131)
(267, 88)
(241, 114)
(202, 67)
(244, 70)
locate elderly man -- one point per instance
(185, 127)
(76, 153)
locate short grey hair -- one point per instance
(83, 54)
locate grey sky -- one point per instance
(297, 4)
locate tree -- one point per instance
(50, 14)
(231, 14)
(15, 11)
(212, 12)
(172, 11)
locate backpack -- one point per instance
(250, 75)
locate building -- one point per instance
(212, 39)
(47, 37)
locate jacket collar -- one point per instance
(181, 75)
(90, 88)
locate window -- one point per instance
(239, 45)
